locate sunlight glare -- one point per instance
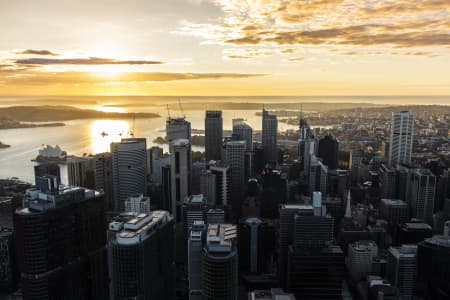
(104, 132)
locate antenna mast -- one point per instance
(168, 111)
(181, 108)
(132, 128)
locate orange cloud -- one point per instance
(36, 52)
(84, 61)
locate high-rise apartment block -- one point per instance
(402, 134)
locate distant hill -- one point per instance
(4, 145)
(310, 106)
(62, 113)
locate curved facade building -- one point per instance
(141, 256)
(129, 166)
(220, 263)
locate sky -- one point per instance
(224, 47)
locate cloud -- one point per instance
(361, 35)
(236, 53)
(296, 59)
(46, 78)
(83, 61)
(36, 52)
(406, 7)
(361, 24)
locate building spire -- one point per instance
(301, 111)
(348, 209)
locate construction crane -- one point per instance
(131, 133)
(181, 108)
(168, 111)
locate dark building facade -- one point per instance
(213, 135)
(328, 151)
(45, 169)
(8, 276)
(433, 264)
(256, 245)
(60, 240)
(141, 254)
(220, 263)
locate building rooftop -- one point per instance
(272, 294)
(180, 142)
(404, 251)
(133, 228)
(438, 240)
(416, 226)
(195, 199)
(362, 246)
(219, 238)
(394, 202)
(38, 200)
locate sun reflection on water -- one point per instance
(104, 132)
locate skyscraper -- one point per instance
(220, 263)
(235, 158)
(137, 204)
(154, 156)
(402, 134)
(194, 209)
(269, 136)
(433, 262)
(129, 166)
(243, 132)
(44, 169)
(208, 187)
(81, 171)
(394, 211)
(360, 255)
(213, 135)
(402, 269)
(422, 195)
(104, 178)
(60, 242)
(328, 151)
(195, 248)
(222, 181)
(180, 172)
(8, 276)
(178, 128)
(141, 255)
(256, 245)
(315, 264)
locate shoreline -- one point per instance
(29, 125)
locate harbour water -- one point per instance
(80, 137)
